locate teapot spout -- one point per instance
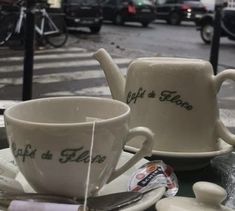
(114, 77)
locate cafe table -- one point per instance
(220, 170)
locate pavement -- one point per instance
(57, 72)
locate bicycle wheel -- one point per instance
(56, 39)
(7, 27)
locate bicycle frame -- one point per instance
(20, 20)
(40, 29)
(45, 27)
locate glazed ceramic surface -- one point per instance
(187, 161)
(120, 184)
(51, 140)
(208, 198)
(174, 97)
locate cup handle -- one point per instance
(146, 150)
(222, 131)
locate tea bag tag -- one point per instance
(89, 165)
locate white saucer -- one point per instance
(118, 185)
(184, 161)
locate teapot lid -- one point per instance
(208, 198)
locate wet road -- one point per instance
(159, 39)
(72, 70)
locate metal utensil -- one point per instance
(108, 202)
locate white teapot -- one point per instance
(174, 97)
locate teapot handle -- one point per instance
(146, 150)
(222, 131)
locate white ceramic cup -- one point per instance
(51, 137)
(176, 99)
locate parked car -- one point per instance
(121, 11)
(175, 11)
(205, 25)
(83, 13)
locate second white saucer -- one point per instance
(185, 161)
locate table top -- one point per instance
(220, 171)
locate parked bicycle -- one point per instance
(12, 27)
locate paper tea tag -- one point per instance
(152, 175)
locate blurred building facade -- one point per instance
(231, 4)
(210, 4)
(55, 3)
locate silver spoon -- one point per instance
(108, 202)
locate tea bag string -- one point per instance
(89, 166)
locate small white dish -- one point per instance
(185, 161)
(118, 185)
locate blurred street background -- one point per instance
(71, 69)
